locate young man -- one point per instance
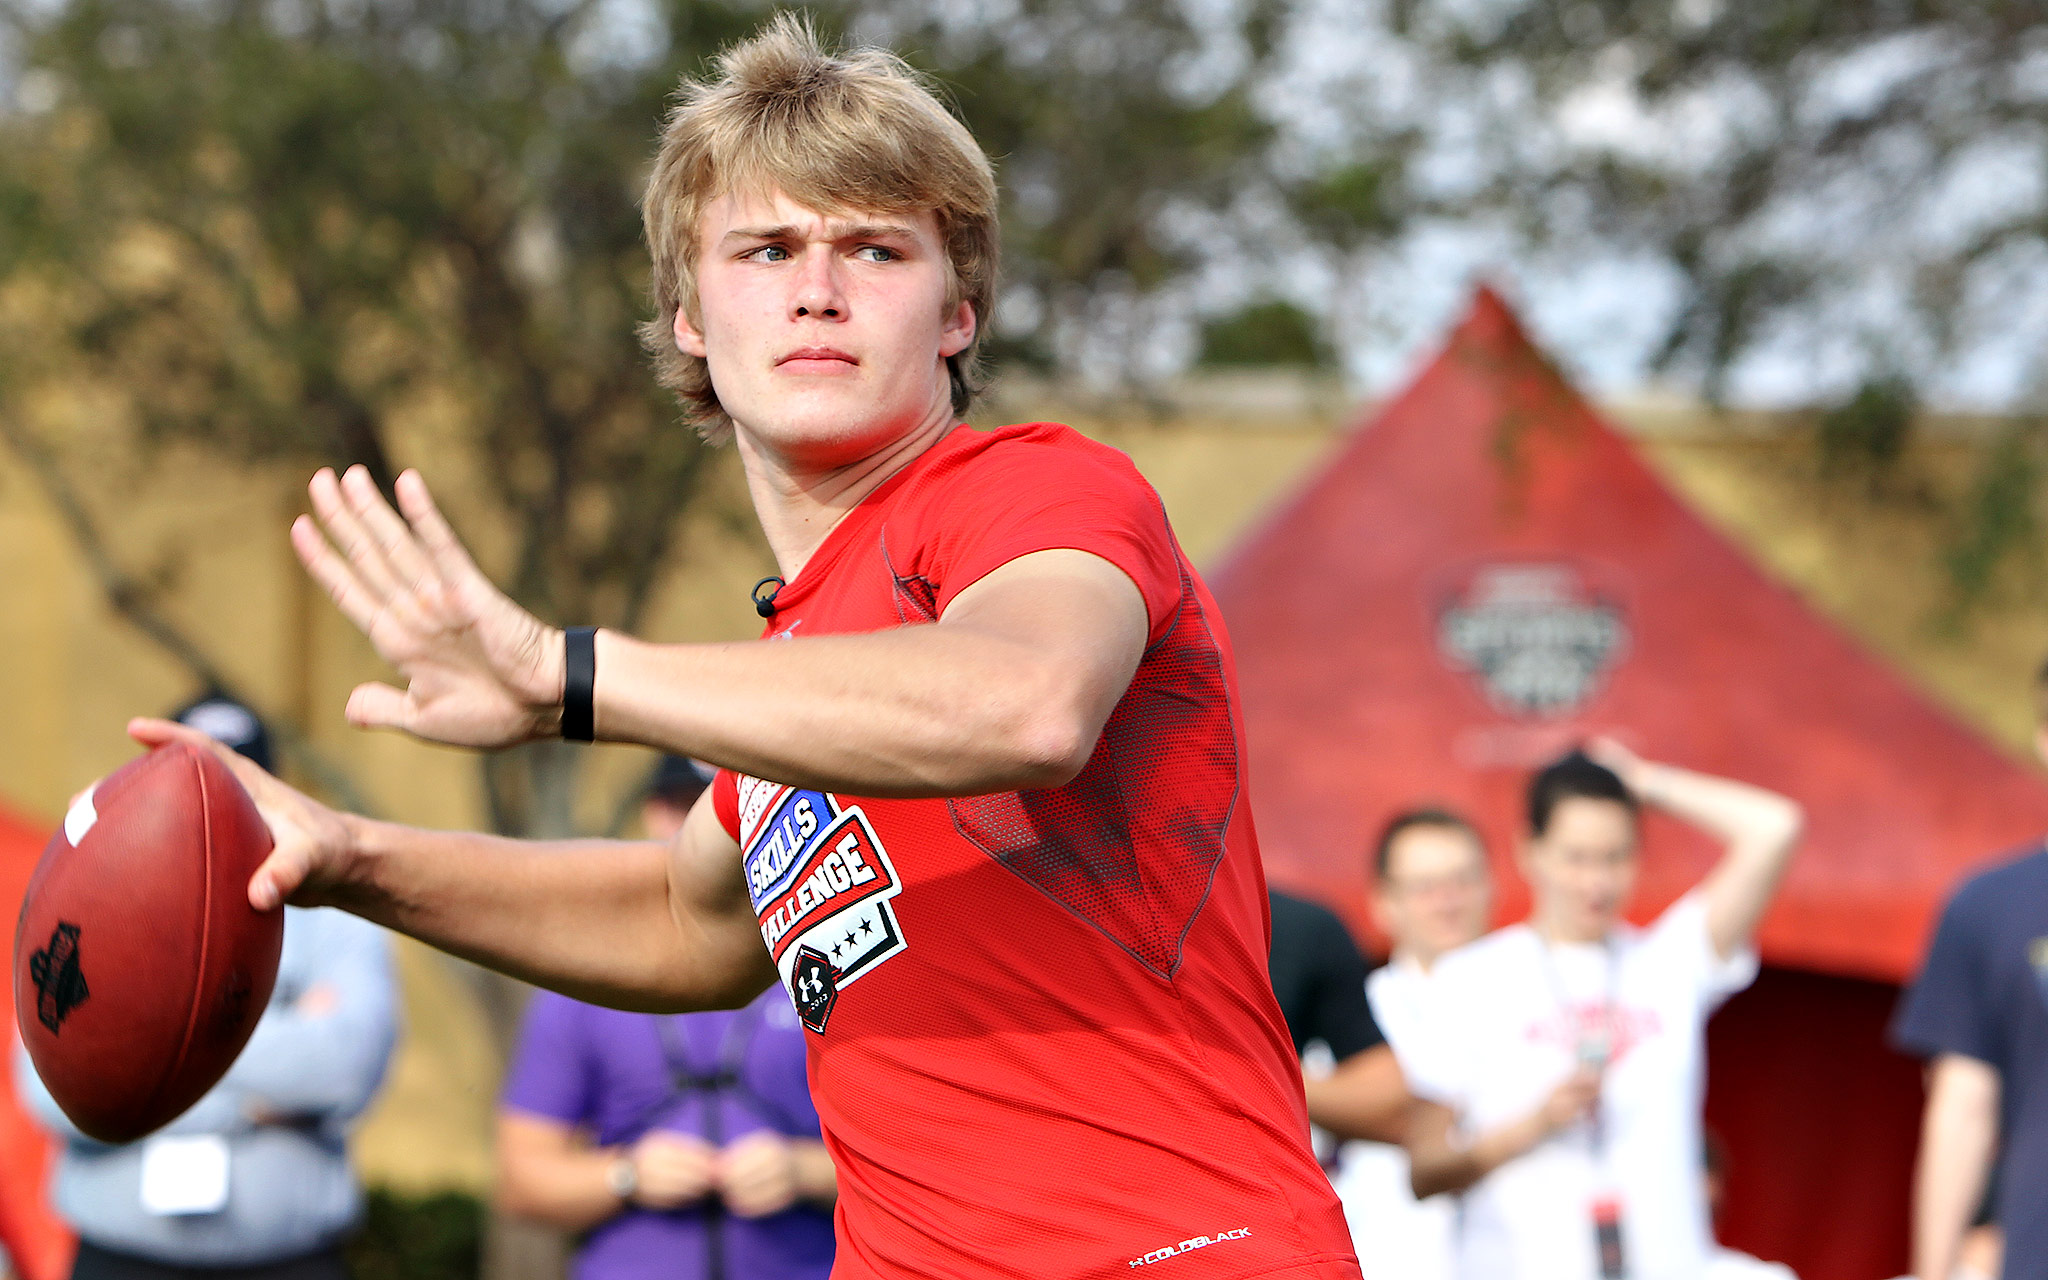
(1979, 1014)
(677, 1147)
(1432, 893)
(1319, 978)
(980, 801)
(1575, 993)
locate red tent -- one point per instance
(38, 1243)
(1487, 573)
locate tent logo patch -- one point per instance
(1539, 638)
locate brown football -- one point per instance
(139, 966)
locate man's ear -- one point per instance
(958, 335)
(689, 340)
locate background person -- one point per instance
(1318, 975)
(1575, 991)
(253, 1181)
(1978, 1013)
(682, 1146)
(1432, 893)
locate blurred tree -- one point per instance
(1862, 188)
(1865, 436)
(1115, 126)
(1264, 334)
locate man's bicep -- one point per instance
(1968, 1078)
(1080, 612)
(719, 934)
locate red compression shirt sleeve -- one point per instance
(1029, 497)
(725, 801)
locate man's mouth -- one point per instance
(816, 357)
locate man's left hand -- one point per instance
(757, 1175)
(480, 671)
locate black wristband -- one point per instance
(579, 684)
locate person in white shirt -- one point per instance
(1574, 992)
(1432, 893)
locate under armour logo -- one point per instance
(813, 987)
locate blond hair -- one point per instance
(834, 131)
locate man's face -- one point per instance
(1582, 870)
(1437, 894)
(826, 334)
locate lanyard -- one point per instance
(726, 1077)
(1595, 1046)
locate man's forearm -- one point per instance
(912, 712)
(1364, 1098)
(594, 919)
(1957, 1139)
(569, 1189)
(1436, 1164)
(1759, 829)
(817, 1181)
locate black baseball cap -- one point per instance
(229, 723)
(678, 778)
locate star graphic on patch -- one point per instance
(848, 940)
(867, 926)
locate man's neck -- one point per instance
(1410, 957)
(799, 506)
(1558, 934)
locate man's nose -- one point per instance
(818, 287)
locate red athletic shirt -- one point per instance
(1043, 1041)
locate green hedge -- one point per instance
(436, 1237)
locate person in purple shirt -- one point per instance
(681, 1146)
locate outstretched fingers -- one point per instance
(450, 558)
(397, 550)
(350, 534)
(334, 575)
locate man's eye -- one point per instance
(770, 253)
(876, 253)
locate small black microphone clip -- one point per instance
(765, 604)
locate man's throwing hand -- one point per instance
(310, 843)
(480, 671)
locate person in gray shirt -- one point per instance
(253, 1181)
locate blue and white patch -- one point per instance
(821, 884)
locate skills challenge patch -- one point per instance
(821, 884)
